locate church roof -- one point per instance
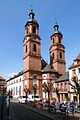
(48, 69)
(43, 63)
(56, 31)
(31, 18)
(64, 77)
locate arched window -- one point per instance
(35, 79)
(34, 47)
(59, 39)
(61, 55)
(53, 40)
(53, 55)
(34, 29)
(26, 48)
(27, 30)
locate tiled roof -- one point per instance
(48, 69)
(43, 63)
(64, 77)
(1, 78)
(72, 65)
(78, 57)
(76, 62)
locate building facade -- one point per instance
(74, 71)
(16, 85)
(57, 51)
(57, 66)
(34, 72)
(32, 54)
(62, 87)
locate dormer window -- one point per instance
(75, 62)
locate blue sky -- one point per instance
(14, 15)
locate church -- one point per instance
(35, 70)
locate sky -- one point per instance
(13, 17)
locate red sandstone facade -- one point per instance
(57, 51)
(32, 55)
(32, 70)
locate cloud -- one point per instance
(9, 75)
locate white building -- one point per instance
(16, 85)
(74, 70)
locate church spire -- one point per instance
(56, 27)
(31, 19)
(31, 14)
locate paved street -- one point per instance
(18, 112)
(25, 112)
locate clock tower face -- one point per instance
(57, 51)
(32, 53)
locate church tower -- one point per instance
(57, 51)
(32, 55)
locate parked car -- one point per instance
(22, 99)
(33, 97)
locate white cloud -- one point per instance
(9, 75)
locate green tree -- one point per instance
(76, 86)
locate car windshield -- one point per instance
(23, 96)
(36, 96)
